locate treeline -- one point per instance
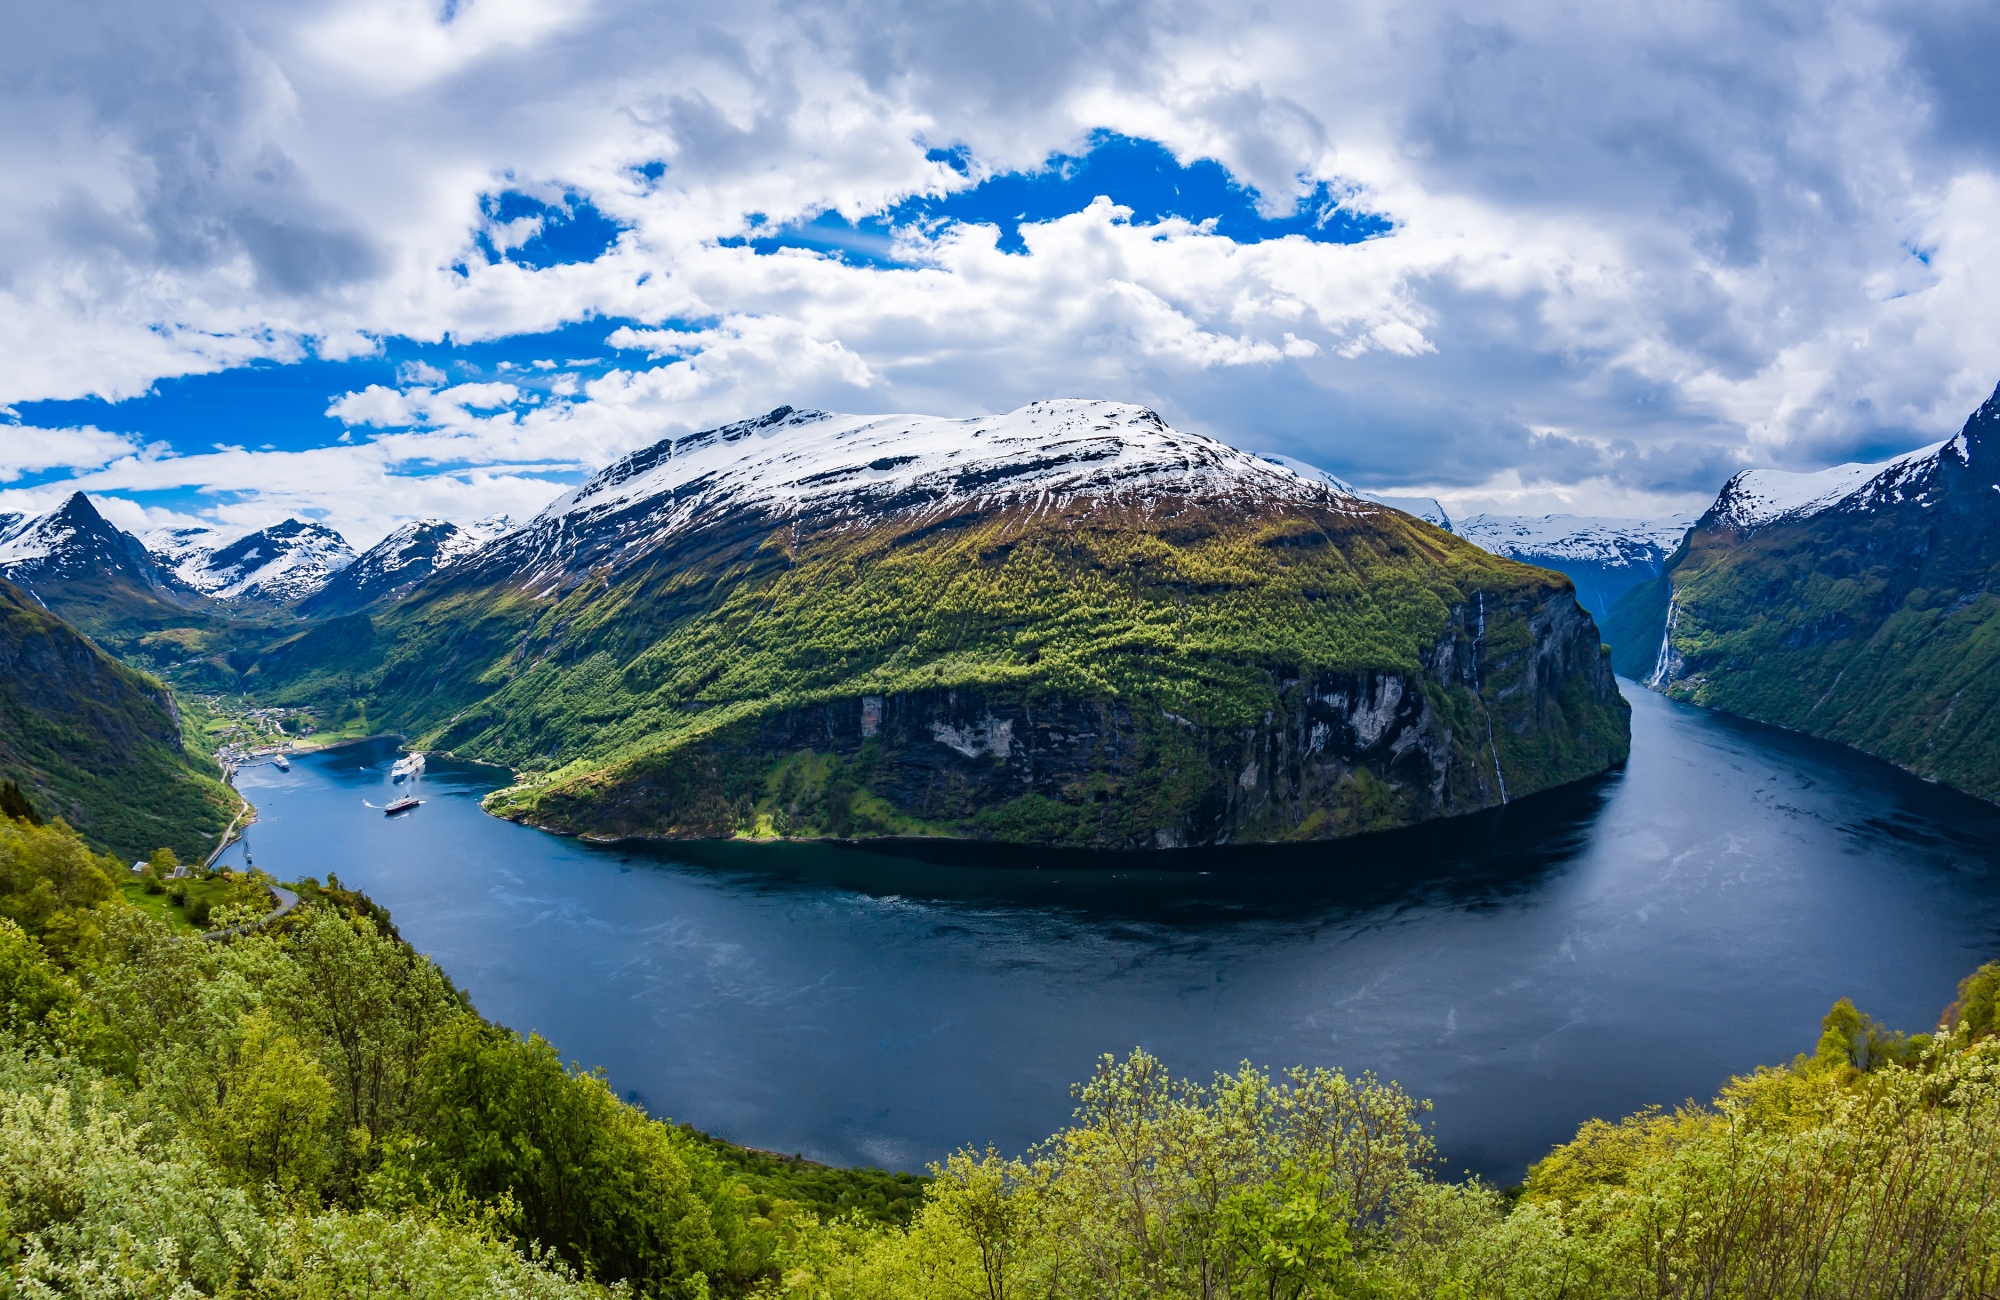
(312, 1110)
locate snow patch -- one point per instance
(1756, 497)
(835, 468)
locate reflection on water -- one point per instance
(1628, 941)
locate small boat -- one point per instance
(403, 804)
(409, 766)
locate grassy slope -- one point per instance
(1204, 613)
(97, 743)
(1816, 626)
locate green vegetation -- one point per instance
(664, 678)
(1825, 626)
(98, 744)
(313, 1111)
(193, 903)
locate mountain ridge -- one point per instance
(810, 624)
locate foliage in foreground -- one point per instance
(313, 1111)
(1868, 1169)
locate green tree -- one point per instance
(15, 804)
(267, 1128)
(370, 1004)
(51, 885)
(36, 1000)
(591, 1178)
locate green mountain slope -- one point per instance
(1873, 620)
(1100, 668)
(98, 744)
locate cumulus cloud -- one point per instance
(1634, 246)
(24, 448)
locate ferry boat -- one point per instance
(403, 804)
(284, 764)
(409, 766)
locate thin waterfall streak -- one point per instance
(1492, 744)
(1663, 660)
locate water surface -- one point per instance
(1625, 942)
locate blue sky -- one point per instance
(364, 261)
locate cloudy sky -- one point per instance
(363, 260)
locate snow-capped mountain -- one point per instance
(1604, 557)
(1593, 538)
(1428, 509)
(1757, 497)
(1068, 624)
(277, 565)
(826, 468)
(399, 561)
(74, 543)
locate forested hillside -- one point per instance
(99, 744)
(1861, 604)
(311, 1110)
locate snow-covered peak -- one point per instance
(406, 556)
(1581, 539)
(835, 470)
(1756, 497)
(1428, 509)
(831, 468)
(30, 539)
(285, 562)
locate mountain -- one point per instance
(1428, 509)
(1604, 557)
(99, 577)
(285, 562)
(97, 743)
(399, 561)
(1860, 603)
(1070, 624)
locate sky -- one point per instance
(363, 261)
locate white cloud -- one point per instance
(24, 448)
(1635, 245)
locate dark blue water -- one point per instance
(1634, 940)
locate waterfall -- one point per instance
(1664, 660)
(1492, 744)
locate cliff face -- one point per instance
(1861, 604)
(1338, 753)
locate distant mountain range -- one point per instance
(1071, 624)
(277, 565)
(178, 595)
(1604, 557)
(1860, 603)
